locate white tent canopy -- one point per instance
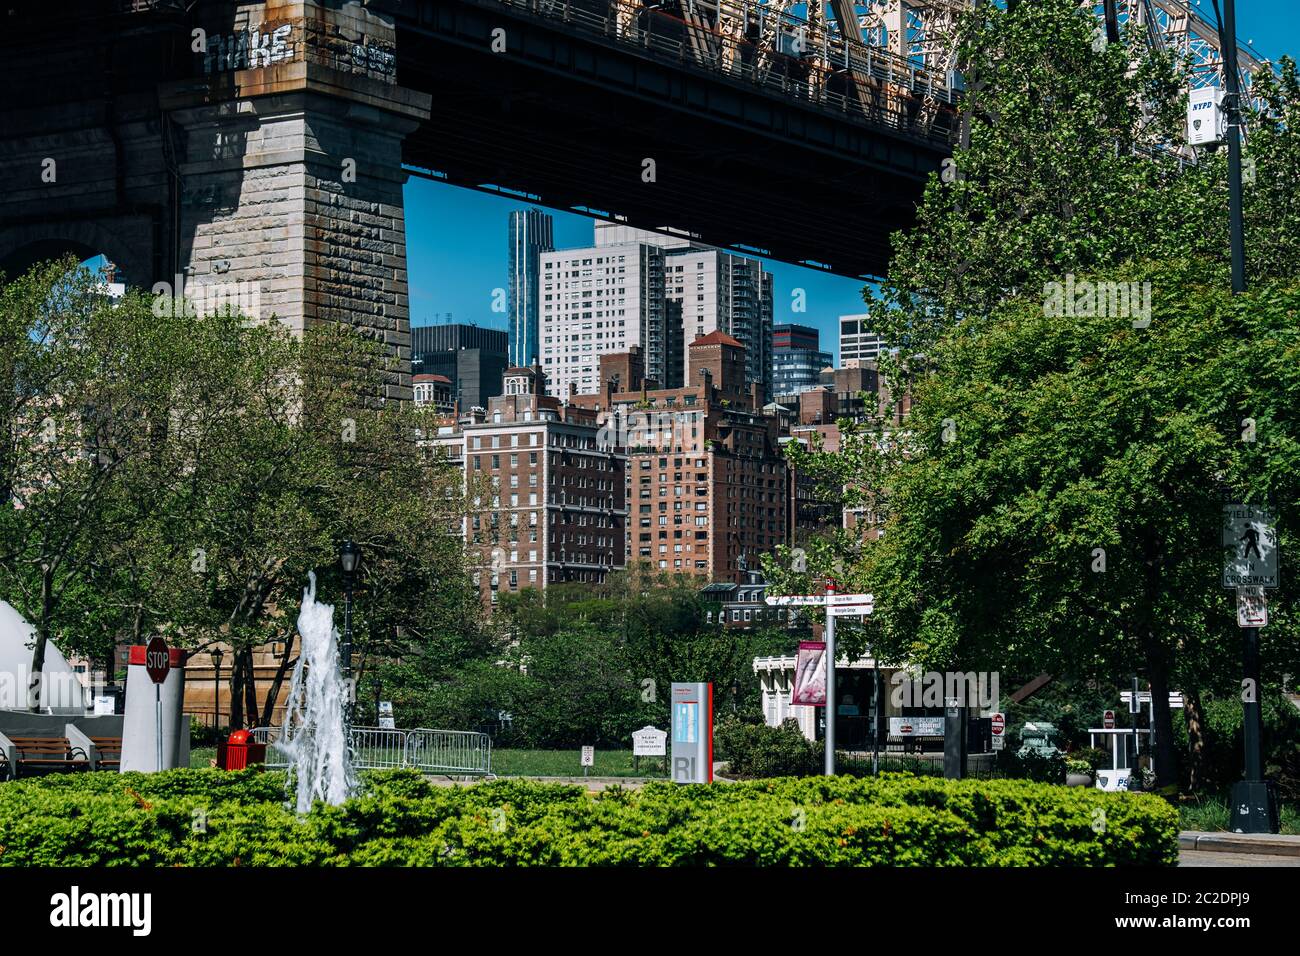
(61, 691)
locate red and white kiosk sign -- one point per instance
(998, 724)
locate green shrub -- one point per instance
(1094, 757)
(209, 818)
(756, 750)
(1222, 762)
(1031, 765)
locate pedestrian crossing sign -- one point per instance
(1250, 549)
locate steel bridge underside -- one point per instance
(566, 120)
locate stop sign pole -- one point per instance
(158, 663)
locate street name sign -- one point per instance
(1144, 698)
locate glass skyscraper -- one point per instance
(531, 233)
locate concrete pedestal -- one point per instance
(139, 724)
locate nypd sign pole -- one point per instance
(158, 663)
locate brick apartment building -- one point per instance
(548, 496)
(707, 486)
(859, 394)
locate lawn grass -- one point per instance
(568, 763)
(1210, 813)
(199, 756)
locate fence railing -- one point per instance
(450, 752)
(978, 766)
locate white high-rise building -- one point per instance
(857, 342)
(717, 290)
(599, 300)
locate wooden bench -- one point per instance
(48, 753)
(109, 750)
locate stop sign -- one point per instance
(157, 660)
(1108, 720)
(998, 723)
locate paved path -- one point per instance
(1212, 858)
(1207, 848)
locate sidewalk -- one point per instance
(1271, 844)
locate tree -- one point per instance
(86, 397)
(1054, 504)
(1041, 444)
(180, 474)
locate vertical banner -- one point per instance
(692, 733)
(810, 675)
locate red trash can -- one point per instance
(240, 752)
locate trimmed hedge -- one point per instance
(757, 750)
(213, 818)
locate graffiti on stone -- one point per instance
(249, 49)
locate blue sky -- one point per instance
(457, 245)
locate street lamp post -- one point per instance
(349, 560)
(216, 683)
(1254, 809)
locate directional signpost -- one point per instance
(1250, 564)
(692, 732)
(158, 664)
(836, 605)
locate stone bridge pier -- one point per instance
(248, 151)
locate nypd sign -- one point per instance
(1206, 123)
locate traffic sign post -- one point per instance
(1250, 564)
(830, 682)
(158, 664)
(1108, 720)
(836, 605)
(998, 728)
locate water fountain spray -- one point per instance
(315, 736)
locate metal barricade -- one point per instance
(458, 753)
(378, 748)
(449, 751)
(276, 759)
